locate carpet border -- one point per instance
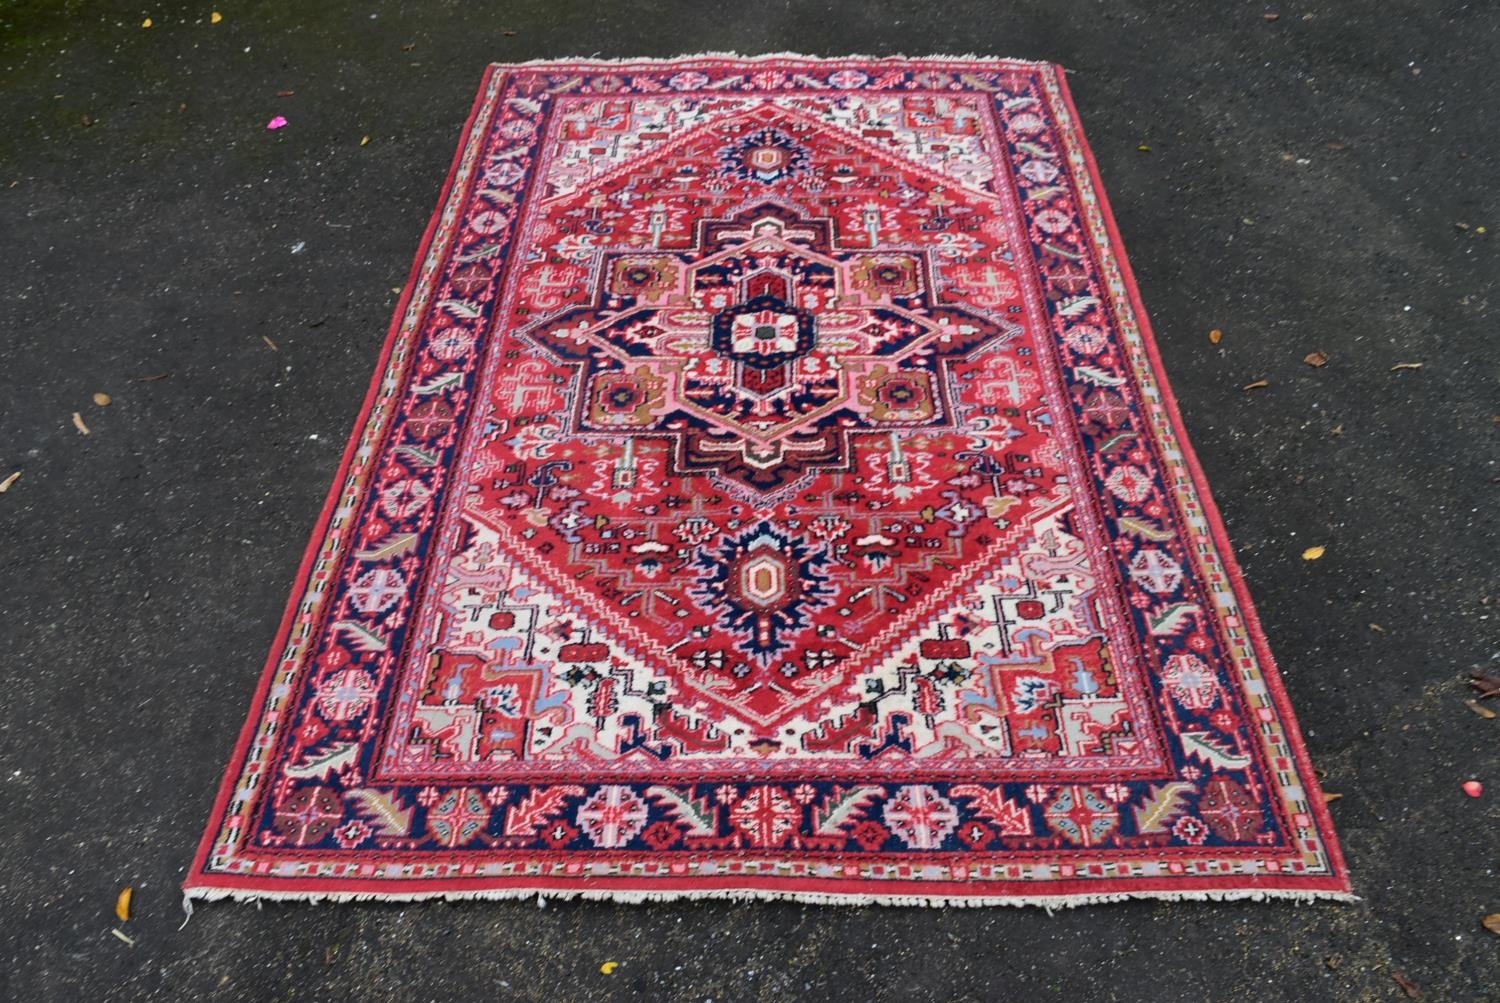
(235, 765)
(1266, 661)
(201, 885)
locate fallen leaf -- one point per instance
(1313, 553)
(1480, 709)
(285, 94)
(365, 141)
(408, 46)
(1473, 788)
(608, 968)
(1215, 336)
(1144, 148)
(1488, 686)
(87, 121)
(146, 23)
(1407, 985)
(78, 423)
(1333, 961)
(269, 343)
(1336, 147)
(279, 122)
(122, 904)
(1316, 359)
(1330, 798)
(121, 935)
(103, 400)
(1258, 384)
(1491, 922)
(215, 17)
(1480, 229)
(1406, 365)
(508, 34)
(1337, 430)
(1271, 17)
(1377, 628)
(5, 484)
(149, 379)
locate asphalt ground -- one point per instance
(1317, 182)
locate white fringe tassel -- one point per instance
(635, 897)
(595, 60)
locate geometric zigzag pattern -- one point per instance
(770, 488)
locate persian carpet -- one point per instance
(770, 488)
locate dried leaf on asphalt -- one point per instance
(608, 968)
(1337, 430)
(1487, 685)
(127, 938)
(146, 23)
(1144, 148)
(1407, 985)
(78, 424)
(103, 400)
(1313, 553)
(1377, 628)
(269, 343)
(1330, 798)
(1258, 384)
(1480, 709)
(1271, 17)
(5, 484)
(365, 141)
(1492, 922)
(285, 94)
(1406, 365)
(122, 904)
(215, 17)
(1215, 336)
(1316, 359)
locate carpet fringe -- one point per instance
(767, 56)
(1049, 903)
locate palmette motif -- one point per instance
(770, 489)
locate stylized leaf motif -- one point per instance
(842, 808)
(1162, 805)
(384, 809)
(320, 764)
(701, 818)
(1098, 377)
(1205, 746)
(1146, 529)
(1170, 619)
(534, 811)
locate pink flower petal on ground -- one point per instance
(277, 122)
